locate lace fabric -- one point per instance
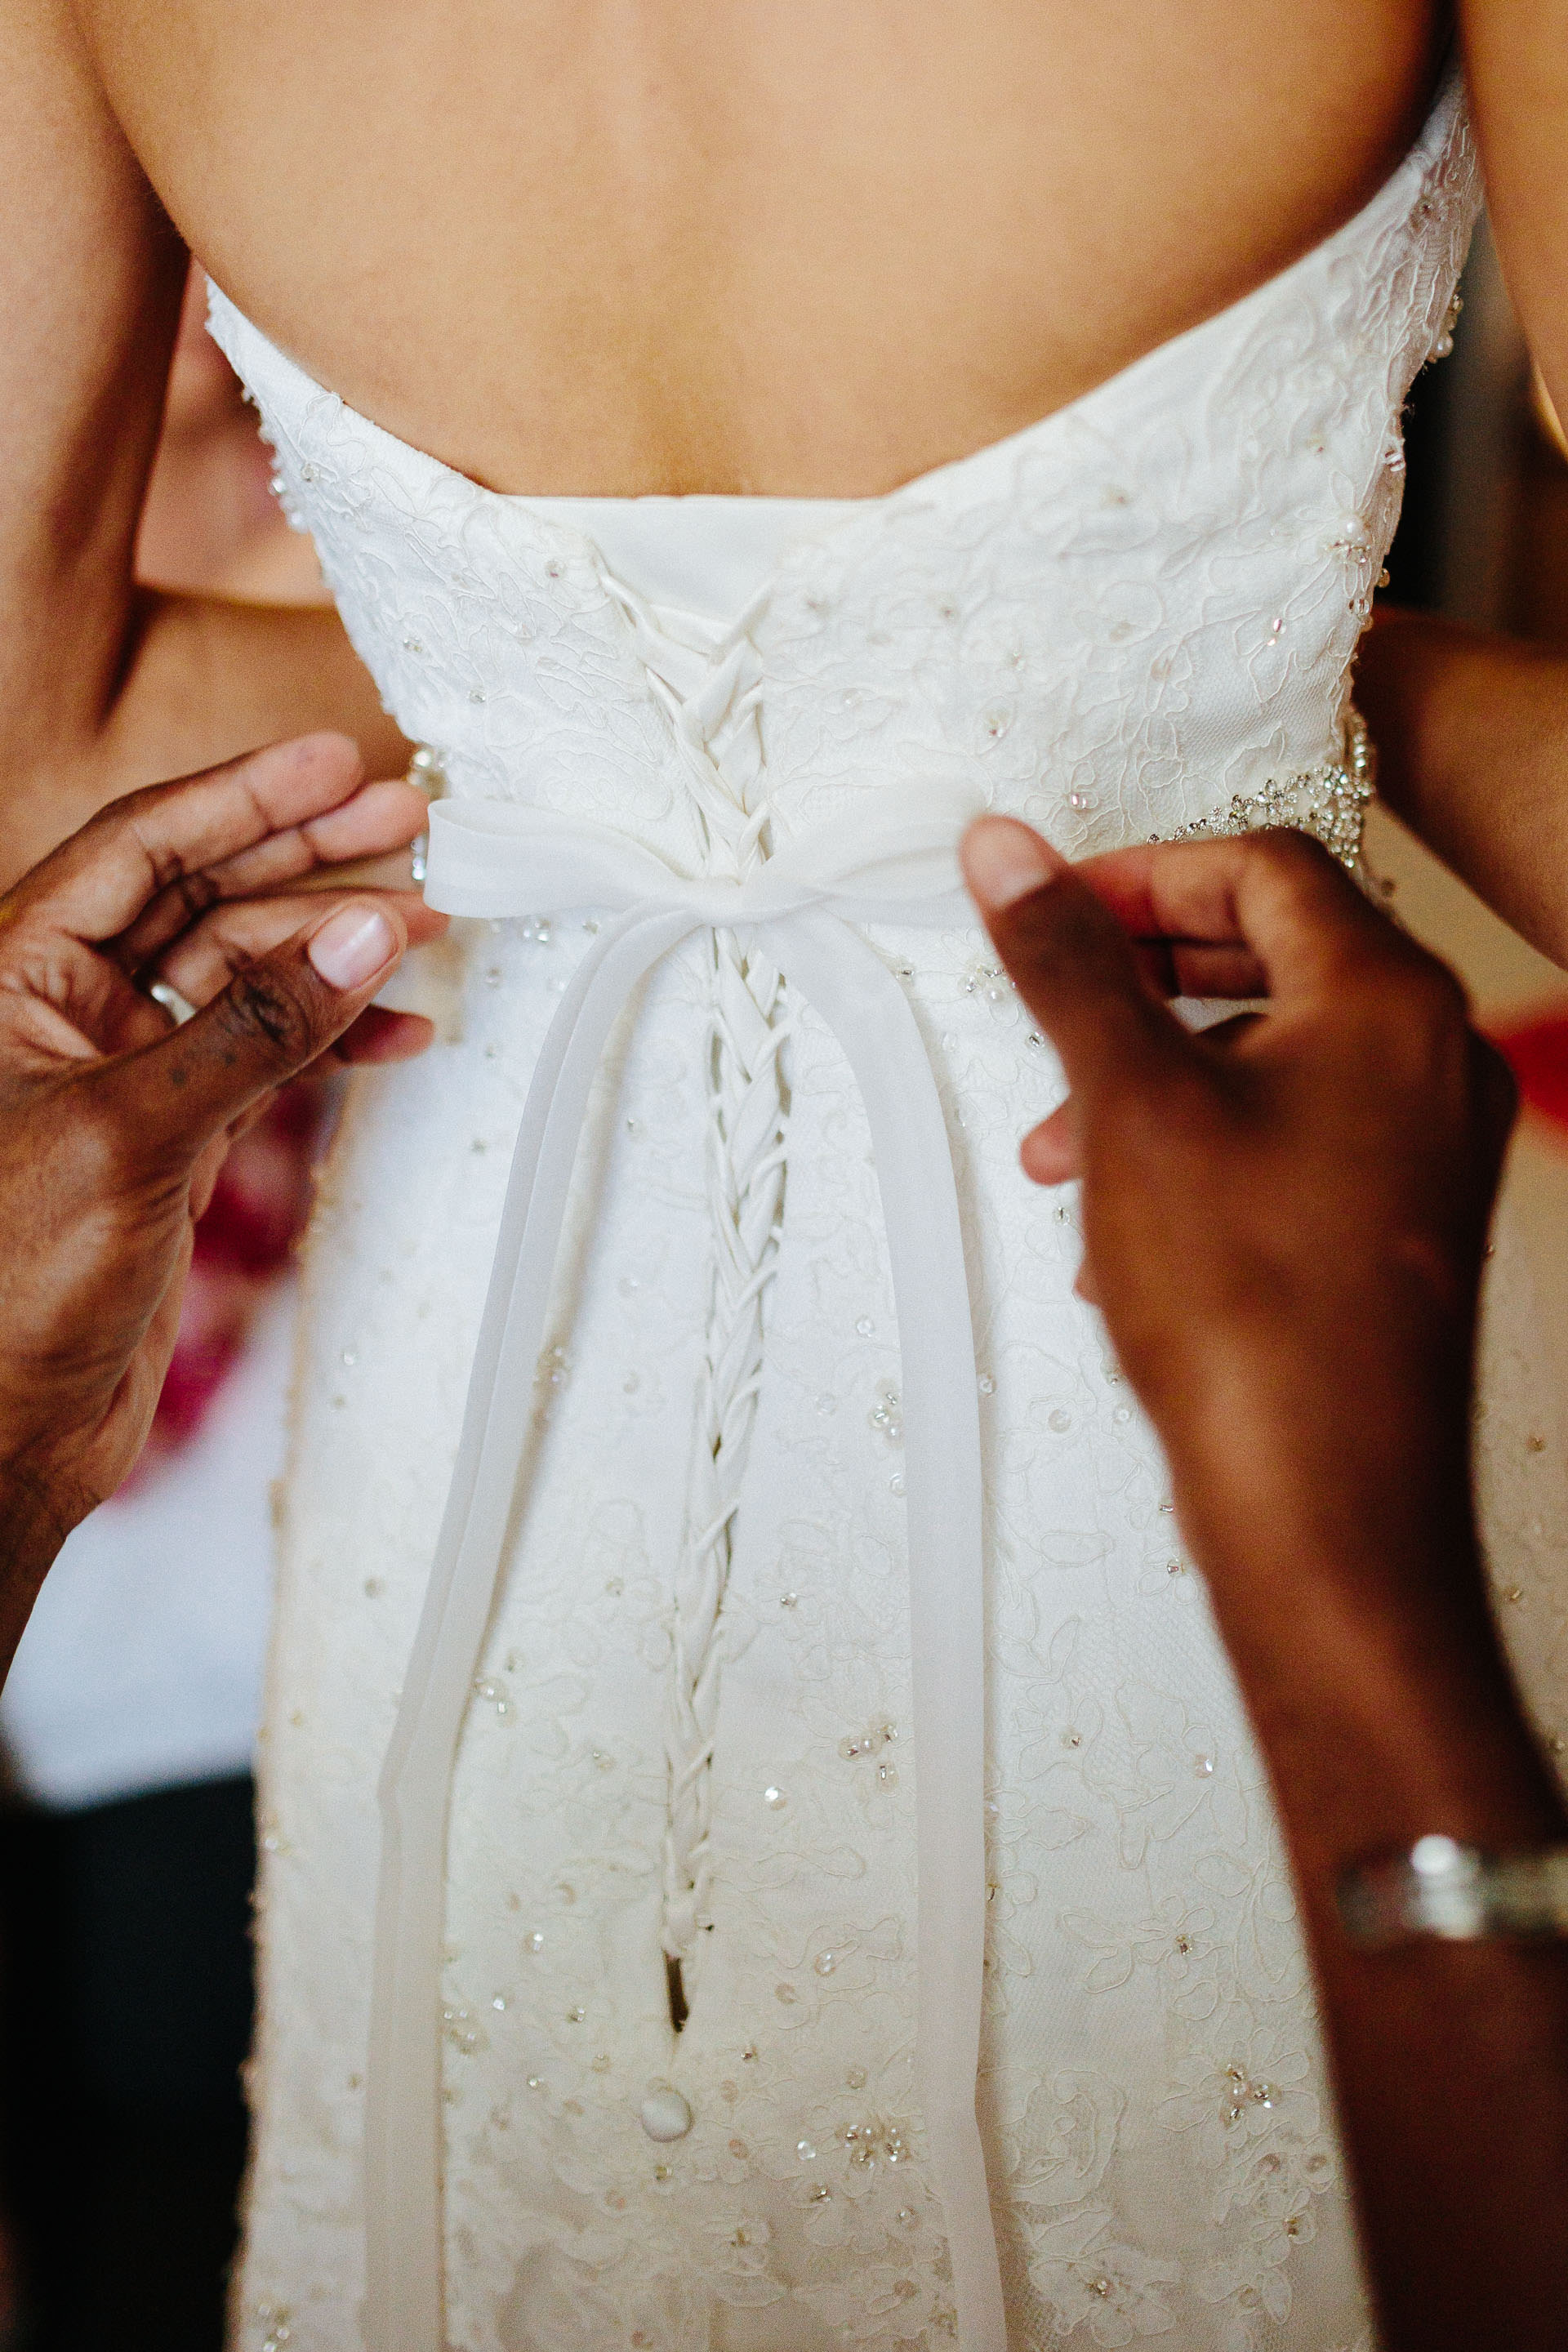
(1115, 624)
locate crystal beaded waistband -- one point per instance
(1330, 802)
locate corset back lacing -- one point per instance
(760, 909)
(710, 681)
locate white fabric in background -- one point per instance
(142, 1665)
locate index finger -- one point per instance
(1068, 958)
(167, 837)
(1275, 903)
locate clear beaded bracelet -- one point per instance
(1330, 802)
(1439, 1887)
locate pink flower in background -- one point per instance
(244, 1245)
(1537, 1053)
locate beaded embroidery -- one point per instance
(1112, 622)
(1330, 802)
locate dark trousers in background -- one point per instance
(125, 2015)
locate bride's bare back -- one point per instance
(808, 248)
(814, 246)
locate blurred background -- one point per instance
(126, 1733)
(1484, 538)
(127, 1729)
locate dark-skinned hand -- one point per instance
(1284, 1223)
(114, 1121)
(1284, 1218)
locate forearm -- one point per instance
(1284, 1220)
(1472, 737)
(102, 688)
(1516, 68)
(201, 680)
(34, 1521)
(1450, 2061)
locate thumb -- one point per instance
(273, 1018)
(1068, 957)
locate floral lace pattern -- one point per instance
(1120, 622)
(1330, 802)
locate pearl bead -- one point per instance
(666, 2115)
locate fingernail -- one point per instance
(1003, 860)
(351, 946)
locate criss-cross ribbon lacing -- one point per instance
(708, 679)
(891, 861)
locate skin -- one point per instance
(689, 275)
(1310, 1374)
(628, 246)
(1284, 1223)
(1472, 737)
(114, 1123)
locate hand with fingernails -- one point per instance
(114, 1121)
(1284, 1223)
(1285, 1216)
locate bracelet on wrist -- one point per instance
(1440, 1888)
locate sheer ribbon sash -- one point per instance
(494, 858)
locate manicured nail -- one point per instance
(1003, 860)
(351, 946)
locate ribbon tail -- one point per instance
(404, 2252)
(863, 1005)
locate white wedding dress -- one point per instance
(733, 1671)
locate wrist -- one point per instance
(37, 1515)
(1378, 1689)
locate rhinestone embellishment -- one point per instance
(1329, 802)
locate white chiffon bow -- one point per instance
(495, 859)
